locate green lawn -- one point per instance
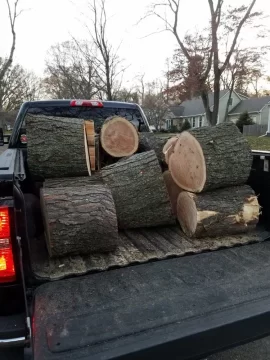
(259, 143)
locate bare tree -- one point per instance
(71, 71)
(18, 85)
(240, 16)
(13, 14)
(141, 86)
(108, 63)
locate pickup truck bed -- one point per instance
(179, 308)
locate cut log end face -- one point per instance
(169, 148)
(173, 190)
(187, 163)
(187, 213)
(119, 137)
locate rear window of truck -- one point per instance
(86, 113)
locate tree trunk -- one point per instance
(139, 192)
(149, 141)
(209, 158)
(119, 137)
(216, 99)
(208, 112)
(173, 190)
(228, 211)
(56, 146)
(78, 220)
(169, 148)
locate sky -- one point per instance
(46, 22)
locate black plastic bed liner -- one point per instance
(181, 308)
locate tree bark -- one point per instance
(56, 146)
(149, 141)
(119, 137)
(78, 220)
(209, 158)
(139, 192)
(228, 211)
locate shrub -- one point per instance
(186, 126)
(244, 119)
(173, 129)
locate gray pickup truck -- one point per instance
(158, 296)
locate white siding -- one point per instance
(264, 115)
(223, 103)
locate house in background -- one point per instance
(193, 110)
(258, 109)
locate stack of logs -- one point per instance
(197, 177)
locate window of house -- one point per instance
(193, 122)
(200, 121)
(231, 101)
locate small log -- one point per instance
(56, 146)
(208, 158)
(169, 148)
(139, 191)
(119, 137)
(228, 211)
(78, 220)
(89, 127)
(173, 190)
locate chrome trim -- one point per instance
(12, 342)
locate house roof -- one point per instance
(250, 105)
(177, 110)
(195, 105)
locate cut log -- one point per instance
(149, 141)
(79, 220)
(56, 146)
(139, 191)
(89, 127)
(119, 137)
(208, 158)
(173, 190)
(228, 211)
(169, 148)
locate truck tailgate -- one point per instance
(180, 308)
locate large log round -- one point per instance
(119, 137)
(150, 141)
(208, 158)
(169, 148)
(79, 220)
(139, 191)
(228, 211)
(56, 146)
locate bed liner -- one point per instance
(134, 247)
(180, 308)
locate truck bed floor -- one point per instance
(179, 308)
(134, 247)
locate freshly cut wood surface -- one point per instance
(208, 158)
(119, 137)
(139, 191)
(169, 148)
(89, 127)
(173, 190)
(56, 146)
(221, 212)
(78, 219)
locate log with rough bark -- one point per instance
(78, 219)
(139, 191)
(119, 137)
(56, 146)
(173, 190)
(228, 211)
(210, 157)
(150, 141)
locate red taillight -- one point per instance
(90, 103)
(7, 269)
